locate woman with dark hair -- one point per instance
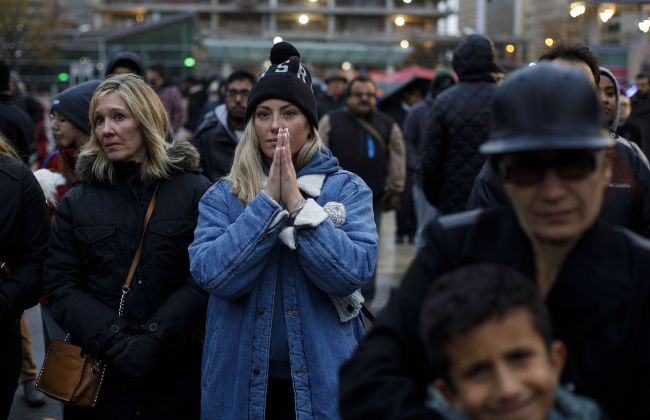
(283, 245)
(23, 241)
(146, 334)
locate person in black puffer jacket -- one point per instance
(152, 351)
(460, 123)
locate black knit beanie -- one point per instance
(286, 79)
(74, 104)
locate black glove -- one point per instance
(116, 344)
(138, 356)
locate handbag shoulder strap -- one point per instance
(373, 132)
(138, 251)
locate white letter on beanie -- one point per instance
(302, 74)
(282, 67)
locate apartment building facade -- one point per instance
(364, 33)
(523, 29)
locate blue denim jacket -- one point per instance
(237, 255)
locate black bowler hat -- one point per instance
(550, 106)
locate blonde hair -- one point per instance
(147, 109)
(7, 149)
(247, 175)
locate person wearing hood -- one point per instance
(147, 333)
(627, 201)
(611, 96)
(283, 245)
(125, 62)
(460, 123)
(223, 127)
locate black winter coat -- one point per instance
(415, 126)
(626, 202)
(460, 123)
(599, 306)
(17, 127)
(216, 144)
(24, 228)
(92, 244)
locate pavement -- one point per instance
(52, 410)
(393, 261)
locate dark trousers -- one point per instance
(280, 403)
(368, 289)
(405, 216)
(10, 362)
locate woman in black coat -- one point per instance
(152, 351)
(23, 240)
(554, 164)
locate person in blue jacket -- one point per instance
(283, 245)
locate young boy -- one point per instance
(488, 333)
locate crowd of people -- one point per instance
(247, 229)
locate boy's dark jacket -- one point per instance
(599, 307)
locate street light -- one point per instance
(644, 25)
(606, 11)
(577, 8)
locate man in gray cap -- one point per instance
(554, 163)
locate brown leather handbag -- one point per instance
(68, 373)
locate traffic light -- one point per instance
(189, 62)
(63, 76)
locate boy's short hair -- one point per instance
(574, 51)
(461, 300)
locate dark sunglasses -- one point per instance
(529, 168)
